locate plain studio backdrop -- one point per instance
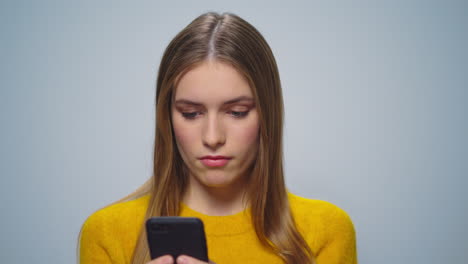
(376, 115)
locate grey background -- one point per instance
(375, 95)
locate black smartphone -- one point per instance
(176, 236)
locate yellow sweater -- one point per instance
(109, 235)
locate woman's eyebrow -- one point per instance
(232, 101)
(185, 101)
(239, 99)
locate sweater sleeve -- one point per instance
(91, 242)
(340, 246)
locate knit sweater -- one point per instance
(110, 234)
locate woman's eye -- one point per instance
(239, 114)
(193, 115)
(190, 115)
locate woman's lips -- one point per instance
(214, 161)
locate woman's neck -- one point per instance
(225, 200)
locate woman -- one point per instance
(218, 157)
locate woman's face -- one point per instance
(215, 124)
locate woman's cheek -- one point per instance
(251, 134)
(248, 134)
(183, 135)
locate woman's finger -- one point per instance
(183, 259)
(167, 259)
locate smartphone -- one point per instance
(176, 236)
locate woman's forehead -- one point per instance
(212, 81)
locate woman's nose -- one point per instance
(213, 134)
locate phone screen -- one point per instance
(176, 236)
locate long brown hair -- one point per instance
(230, 39)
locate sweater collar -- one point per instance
(226, 225)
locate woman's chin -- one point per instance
(217, 183)
(217, 180)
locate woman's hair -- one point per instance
(229, 39)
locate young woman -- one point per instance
(218, 157)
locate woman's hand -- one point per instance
(183, 259)
(167, 259)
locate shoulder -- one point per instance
(109, 234)
(320, 219)
(116, 216)
(304, 207)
